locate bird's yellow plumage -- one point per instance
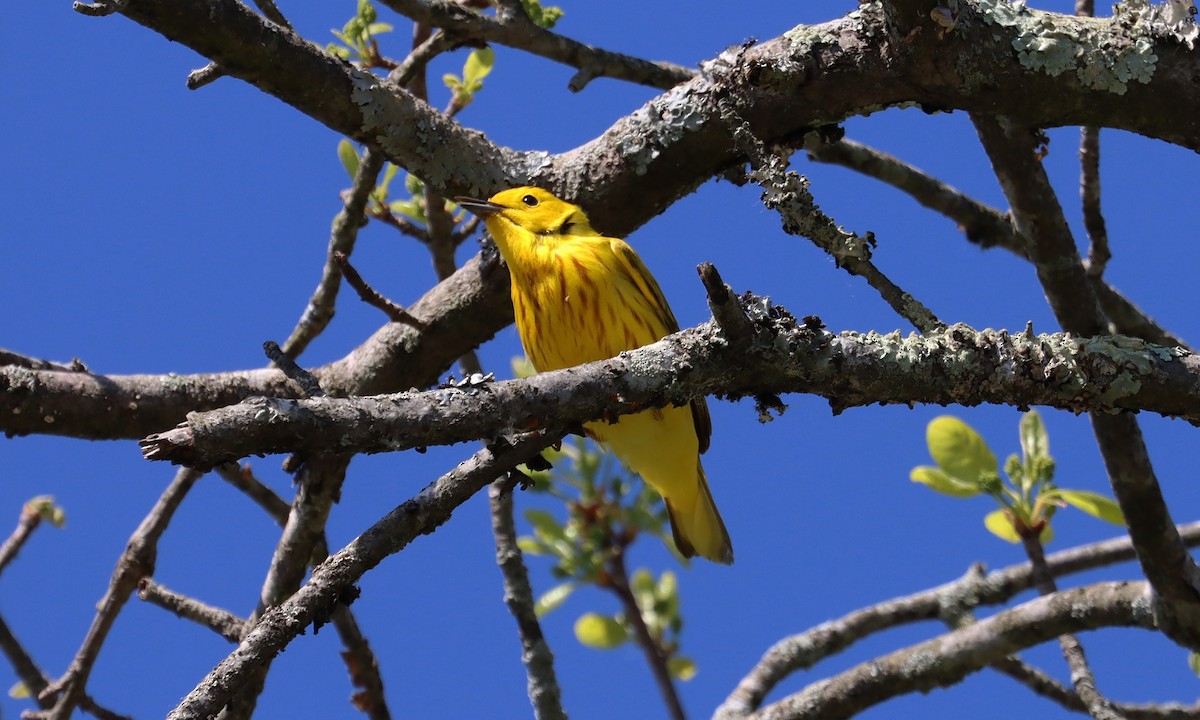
(580, 297)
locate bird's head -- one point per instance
(533, 209)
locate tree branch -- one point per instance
(973, 589)
(1038, 216)
(333, 578)
(949, 658)
(957, 366)
(814, 75)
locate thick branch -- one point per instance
(469, 307)
(958, 366)
(811, 76)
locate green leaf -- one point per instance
(681, 668)
(530, 546)
(349, 157)
(545, 525)
(544, 17)
(1194, 662)
(553, 598)
(1034, 440)
(413, 185)
(20, 691)
(366, 11)
(478, 65)
(46, 510)
(958, 449)
(601, 632)
(1093, 504)
(1000, 524)
(936, 480)
(452, 81)
(643, 586)
(389, 172)
(378, 28)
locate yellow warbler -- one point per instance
(580, 297)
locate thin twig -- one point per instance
(135, 563)
(542, 682)
(653, 651)
(35, 680)
(360, 660)
(373, 297)
(415, 63)
(787, 193)
(309, 385)
(342, 237)
(224, 623)
(975, 588)
(32, 514)
(516, 30)
(982, 224)
(1082, 677)
(422, 514)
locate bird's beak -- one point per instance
(482, 208)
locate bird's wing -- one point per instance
(639, 275)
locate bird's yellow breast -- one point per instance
(573, 304)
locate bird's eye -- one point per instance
(530, 200)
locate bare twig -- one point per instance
(787, 193)
(982, 224)
(35, 681)
(1082, 677)
(32, 514)
(359, 658)
(544, 692)
(655, 657)
(947, 659)
(309, 385)
(975, 588)
(342, 237)
(392, 533)
(224, 623)
(135, 563)
(373, 297)
(438, 43)
(516, 30)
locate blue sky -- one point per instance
(153, 229)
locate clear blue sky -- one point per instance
(152, 229)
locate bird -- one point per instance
(578, 297)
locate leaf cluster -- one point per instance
(966, 467)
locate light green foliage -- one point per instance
(349, 157)
(1194, 662)
(607, 510)
(541, 16)
(477, 67)
(357, 36)
(20, 691)
(380, 204)
(967, 467)
(47, 511)
(601, 632)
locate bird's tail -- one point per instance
(697, 526)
